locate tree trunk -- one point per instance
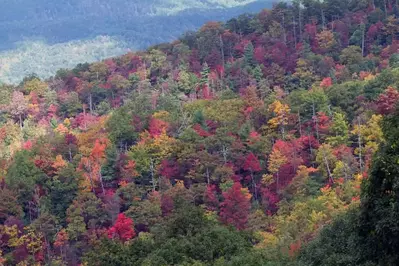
(91, 103)
(91, 178)
(47, 244)
(328, 167)
(254, 186)
(300, 22)
(385, 8)
(363, 38)
(284, 32)
(152, 175)
(278, 180)
(101, 182)
(360, 147)
(224, 153)
(30, 212)
(294, 30)
(310, 149)
(20, 121)
(316, 122)
(222, 50)
(84, 117)
(300, 124)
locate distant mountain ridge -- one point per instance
(38, 35)
(50, 9)
(66, 20)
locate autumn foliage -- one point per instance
(123, 229)
(260, 129)
(234, 209)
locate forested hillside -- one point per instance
(270, 139)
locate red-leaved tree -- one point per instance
(386, 102)
(252, 165)
(210, 198)
(122, 229)
(236, 206)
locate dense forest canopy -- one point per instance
(270, 139)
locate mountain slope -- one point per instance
(236, 144)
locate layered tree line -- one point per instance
(270, 139)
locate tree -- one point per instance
(9, 205)
(311, 104)
(119, 83)
(18, 106)
(379, 226)
(326, 40)
(86, 212)
(46, 226)
(280, 112)
(61, 241)
(326, 160)
(91, 165)
(249, 55)
(76, 227)
(369, 136)
(345, 96)
(252, 164)
(387, 101)
(358, 38)
(326, 82)
(70, 104)
(150, 152)
(98, 157)
(351, 57)
(391, 27)
(147, 212)
(394, 60)
(71, 142)
(121, 128)
(305, 73)
(210, 198)
(205, 75)
(276, 160)
(22, 176)
(61, 191)
(35, 85)
(234, 209)
(187, 82)
(99, 71)
(208, 38)
(109, 170)
(340, 129)
(337, 243)
(122, 228)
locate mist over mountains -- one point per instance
(139, 22)
(38, 35)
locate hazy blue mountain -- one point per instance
(41, 36)
(140, 22)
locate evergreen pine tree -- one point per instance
(249, 55)
(205, 75)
